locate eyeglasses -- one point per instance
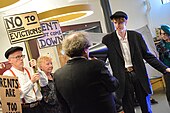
(19, 57)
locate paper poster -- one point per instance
(52, 34)
(10, 94)
(22, 27)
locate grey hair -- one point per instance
(75, 43)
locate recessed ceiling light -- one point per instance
(9, 4)
(68, 13)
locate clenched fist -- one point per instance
(35, 77)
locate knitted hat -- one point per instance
(166, 29)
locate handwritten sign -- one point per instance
(10, 94)
(22, 27)
(52, 34)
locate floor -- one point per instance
(162, 106)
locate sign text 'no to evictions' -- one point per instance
(22, 27)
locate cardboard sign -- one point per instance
(52, 34)
(10, 94)
(22, 27)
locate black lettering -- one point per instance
(8, 104)
(12, 107)
(55, 33)
(16, 35)
(59, 38)
(49, 26)
(55, 24)
(43, 44)
(10, 92)
(39, 30)
(48, 41)
(9, 22)
(46, 26)
(46, 34)
(54, 41)
(18, 21)
(12, 36)
(10, 83)
(43, 26)
(0, 82)
(4, 83)
(30, 18)
(23, 33)
(16, 84)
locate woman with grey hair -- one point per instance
(83, 85)
(49, 101)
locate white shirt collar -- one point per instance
(16, 70)
(120, 38)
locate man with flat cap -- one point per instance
(127, 51)
(163, 48)
(29, 92)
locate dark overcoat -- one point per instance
(139, 52)
(86, 86)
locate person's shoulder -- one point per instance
(108, 37)
(29, 69)
(96, 65)
(97, 62)
(109, 34)
(59, 70)
(133, 31)
(7, 73)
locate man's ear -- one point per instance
(86, 53)
(125, 22)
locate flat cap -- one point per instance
(166, 29)
(119, 14)
(12, 50)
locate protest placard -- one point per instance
(52, 34)
(23, 27)
(10, 94)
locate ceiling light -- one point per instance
(68, 13)
(9, 4)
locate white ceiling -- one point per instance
(41, 5)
